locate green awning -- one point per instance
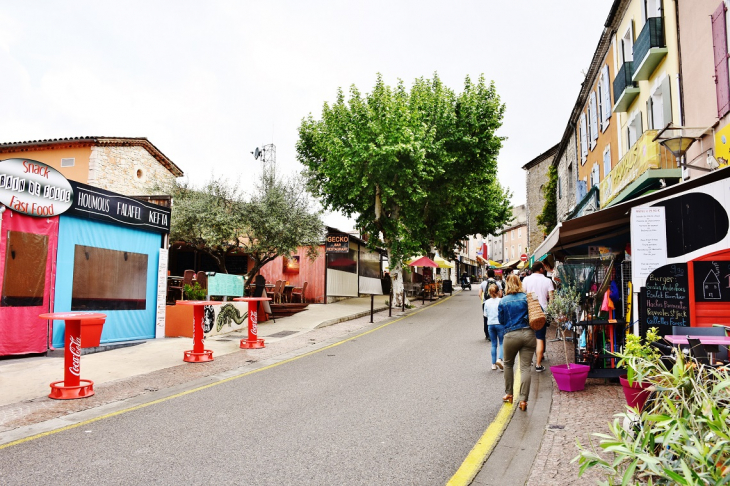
(645, 182)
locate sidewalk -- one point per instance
(546, 435)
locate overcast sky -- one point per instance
(207, 82)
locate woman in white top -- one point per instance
(496, 330)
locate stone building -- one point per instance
(536, 178)
(128, 166)
(570, 190)
(514, 234)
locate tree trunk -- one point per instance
(396, 277)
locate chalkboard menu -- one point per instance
(712, 281)
(667, 296)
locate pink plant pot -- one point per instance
(570, 379)
(636, 394)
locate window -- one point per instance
(108, 279)
(606, 161)
(583, 139)
(513, 252)
(519, 249)
(651, 8)
(570, 178)
(560, 187)
(605, 97)
(594, 119)
(627, 45)
(634, 130)
(519, 232)
(659, 106)
(24, 281)
(512, 234)
(595, 175)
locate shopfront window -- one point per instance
(108, 279)
(369, 264)
(24, 280)
(344, 262)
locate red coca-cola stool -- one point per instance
(72, 385)
(198, 354)
(253, 341)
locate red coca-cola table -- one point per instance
(198, 354)
(253, 341)
(72, 385)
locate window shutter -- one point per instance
(650, 113)
(722, 77)
(583, 138)
(606, 93)
(594, 117)
(667, 100)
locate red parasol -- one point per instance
(423, 262)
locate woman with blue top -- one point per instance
(518, 337)
(495, 329)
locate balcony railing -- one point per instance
(624, 88)
(649, 49)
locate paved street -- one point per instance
(401, 405)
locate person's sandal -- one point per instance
(507, 398)
(523, 406)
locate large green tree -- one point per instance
(218, 220)
(417, 168)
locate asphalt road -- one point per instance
(401, 405)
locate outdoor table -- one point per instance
(710, 343)
(252, 342)
(198, 354)
(72, 385)
(287, 292)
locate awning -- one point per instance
(511, 264)
(615, 220)
(522, 265)
(442, 263)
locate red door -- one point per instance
(27, 258)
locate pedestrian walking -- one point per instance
(495, 329)
(484, 296)
(518, 337)
(543, 288)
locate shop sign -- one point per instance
(337, 243)
(712, 281)
(94, 203)
(34, 188)
(667, 296)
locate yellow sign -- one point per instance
(722, 145)
(644, 155)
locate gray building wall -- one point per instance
(568, 178)
(536, 178)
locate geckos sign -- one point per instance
(34, 188)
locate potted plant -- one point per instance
(641, 361)
(562, 309)
(194, 292)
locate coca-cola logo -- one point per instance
(74, 347)
(254, 323)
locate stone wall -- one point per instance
(128, 170)
(568, 172)
(536, 178)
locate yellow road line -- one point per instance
(204, 387)
(484, 447)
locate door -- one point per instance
(27, 257)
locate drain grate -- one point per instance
(555, 427)
(282, 334)
(224, 340)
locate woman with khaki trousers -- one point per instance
(518, 337)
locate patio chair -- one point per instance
(299, 292)
(202, 279)
(278, 290)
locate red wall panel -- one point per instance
(312, 272)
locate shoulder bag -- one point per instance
(536, 314)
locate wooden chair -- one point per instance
(299, 292)
(174, 286)
(276, 293)
(202, 279)
(188, 277)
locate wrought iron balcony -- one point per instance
(624, 88)
(649, 49)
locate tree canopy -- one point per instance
(218, 220)
(417, 167)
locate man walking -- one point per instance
(543, 288)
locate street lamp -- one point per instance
(678, 140)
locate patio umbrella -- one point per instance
(423, 262)
(442, 263)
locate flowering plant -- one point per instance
(562, 308)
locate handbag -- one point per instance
(535, 313)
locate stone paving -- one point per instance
(573, 416)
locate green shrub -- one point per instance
(194, 292)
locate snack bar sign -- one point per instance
(337, 243)
(34, 188)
